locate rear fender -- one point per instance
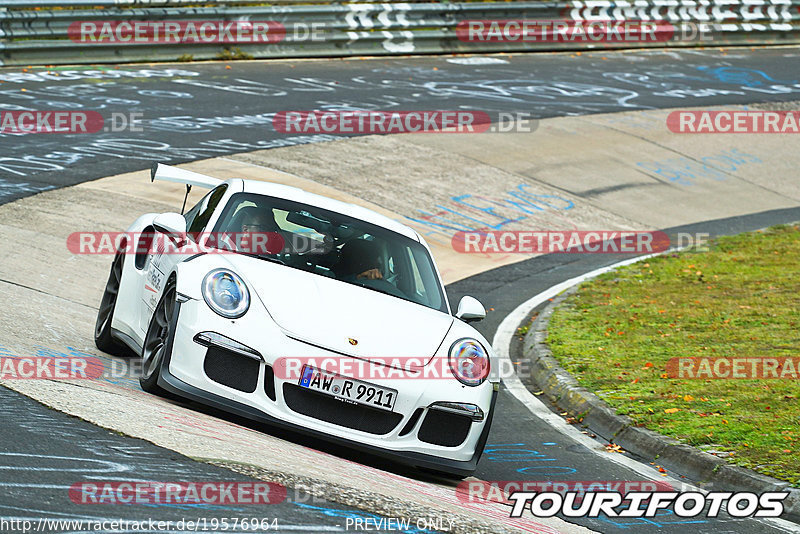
(128, 308)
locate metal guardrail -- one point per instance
(41, 36)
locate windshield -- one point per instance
(331, 244)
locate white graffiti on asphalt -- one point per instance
(526, 90)
(504, 90)
(69, 75)
(389, 87)
(187, 123)
(246, 87)
(140, 149)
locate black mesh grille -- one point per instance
(326, 408)
(445, 429)
(231, 369)
(269, 382)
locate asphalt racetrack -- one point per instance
(194, 111)
(197, 111)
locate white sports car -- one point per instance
(337, 325)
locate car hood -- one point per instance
(329, 314)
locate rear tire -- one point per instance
(105, 314)
(156, 340)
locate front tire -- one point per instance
(156, 342)
(105, 314)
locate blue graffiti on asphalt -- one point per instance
(660, 521)
(686, 171)
(468, 212)
(511, 452)
(742, 76)
(41, 351)
(335, 512)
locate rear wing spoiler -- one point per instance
(168, 173)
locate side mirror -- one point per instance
(470, 310)
(171, 224)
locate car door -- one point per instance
(165, 254)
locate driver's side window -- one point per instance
(197, 218)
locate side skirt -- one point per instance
(127, 340)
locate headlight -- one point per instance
(469, 362)
(226, 294)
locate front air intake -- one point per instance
(443, 428)
(231, 369)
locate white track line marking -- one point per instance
(501, 343)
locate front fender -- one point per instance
(191, 271)
(462, 330)
(142, 222)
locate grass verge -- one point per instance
(741, 298)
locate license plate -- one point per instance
(348, 389)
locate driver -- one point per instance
(360, 259)
(255, 221)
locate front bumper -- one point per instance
(183, 374)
